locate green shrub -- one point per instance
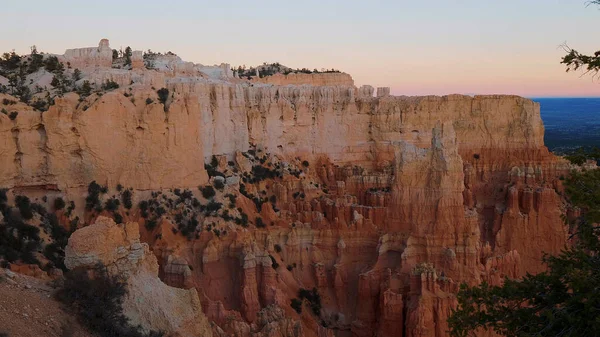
(98, 303)
(112, 204)
(53, 65)
(110, 85)
(18, 240)
(13, 115)
(207, 191)
(277, 248)
(150, 224)
(163, 95)
(212, 207)
(92, 201)
(274, 263)
(22, 202)
(313, 298)
(59, 203)
(149, 101)
(85, 90)
(296, 304)
(55, 251)
(260, 223)
(126, 197)
(219, 184)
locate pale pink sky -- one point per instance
(414, 47)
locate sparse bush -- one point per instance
(296, 304)
(313, 297)
(110, 85)
(305, 163)
(22, 202)
(13, 115)
(85, 90)
(213, 206)
(219, 184)
(149, 101)
(260, 223)
(126, 197)
(53, 65)
(207, 191)
(92, 201)
(274, 263)
(98, 303)
(76, 75)
(55, 251)
(59, 203)
(18, 240)
(128, 53)
(112, 204)
(150, 224)
(163, 95)
(277, 248)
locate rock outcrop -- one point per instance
(149, 302)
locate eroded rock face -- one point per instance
(386, 205)
(149, 302)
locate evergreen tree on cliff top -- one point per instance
(577, 61)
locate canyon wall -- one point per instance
(381, 204)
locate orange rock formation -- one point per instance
(390, 204)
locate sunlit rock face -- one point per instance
(384, 204)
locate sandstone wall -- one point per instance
(111, 139)
(318, 79)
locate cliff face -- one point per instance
(320, 79)
(382, 204)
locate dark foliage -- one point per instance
(92, 201)
(562, 301)
(207, 191)
(85, 90)
(110, 85)
(163, 95)
(98, 303)
(219, 184)
(18, 240)
(126, 198)
(55, 251)
(580, 155)
(274, 263)
(296, 304)
(260, 223)
(59, 203)
(574, 60)
(24, 205)
(313, 297)
(112, 204)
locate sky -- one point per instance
(430, 47)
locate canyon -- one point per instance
(382, 205)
